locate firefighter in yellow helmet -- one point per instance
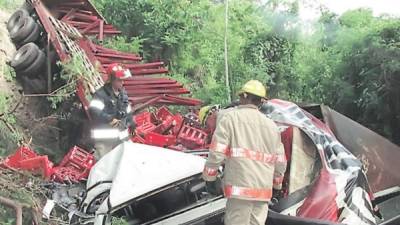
(250, 146)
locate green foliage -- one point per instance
(8, 139)
(131, 45)
(10, 4)
(349, 62)
(72, 70)
(8, 73)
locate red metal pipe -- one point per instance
(91, 26)
(68, 15)
(101, 31)
(108, 32)
(144, 65)
(117, 56)
(147, 103)
(153, 86)
(129, 83)
(72, 4)
(149, 71)
(107, 61)
(108, 50)
(143, 92)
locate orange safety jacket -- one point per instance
(250, 145)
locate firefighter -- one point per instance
(208, 117)
(250, 145)
(111, 112)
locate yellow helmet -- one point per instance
(205, 112)
(254, 87)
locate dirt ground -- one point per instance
(33, 119)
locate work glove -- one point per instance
(214, 187)
(121, 114)
(115, 122)
(278, 194)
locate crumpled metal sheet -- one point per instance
(379, 156)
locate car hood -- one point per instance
(135, 169)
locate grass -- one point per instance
(8, 72)
(10, 5)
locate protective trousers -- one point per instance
(245, 212)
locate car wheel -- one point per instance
(36, 67)
(32, 37)
(22, 30)
(17, 18)
(25, 56)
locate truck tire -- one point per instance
(33, 86)
(28, 7)
(32, 37)
(36, 67)
(22, 30)
(17, 18)
(25, 56)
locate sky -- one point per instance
(392, 7)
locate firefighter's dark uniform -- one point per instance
(104, 107)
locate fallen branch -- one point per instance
(16, 206)
(14, 108)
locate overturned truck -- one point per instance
(338, 171)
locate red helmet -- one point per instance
(117, 71)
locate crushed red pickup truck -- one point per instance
(339, 172)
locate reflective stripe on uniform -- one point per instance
(252, 193)
(253, 155)
(129, 108)
(221, 148)
(95, 103)
(211, 172)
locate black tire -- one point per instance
(25, 56)
(33, 86)
(36, 67)
(21, 31)
(32, 37)
(28, 7)
(17, 18)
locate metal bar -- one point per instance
(84, 17)
(142, 92)
(101, 31)
(149, 71)
(108, 32)
(68, 15)
(50, 29)
(147, 103)
(128, 82)
(49, 77)
(85, 45)
(72, 4)
(117, 56)
(107, 61)
(153, 86)
(144, 65)
(182, 99)
(91, 26)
